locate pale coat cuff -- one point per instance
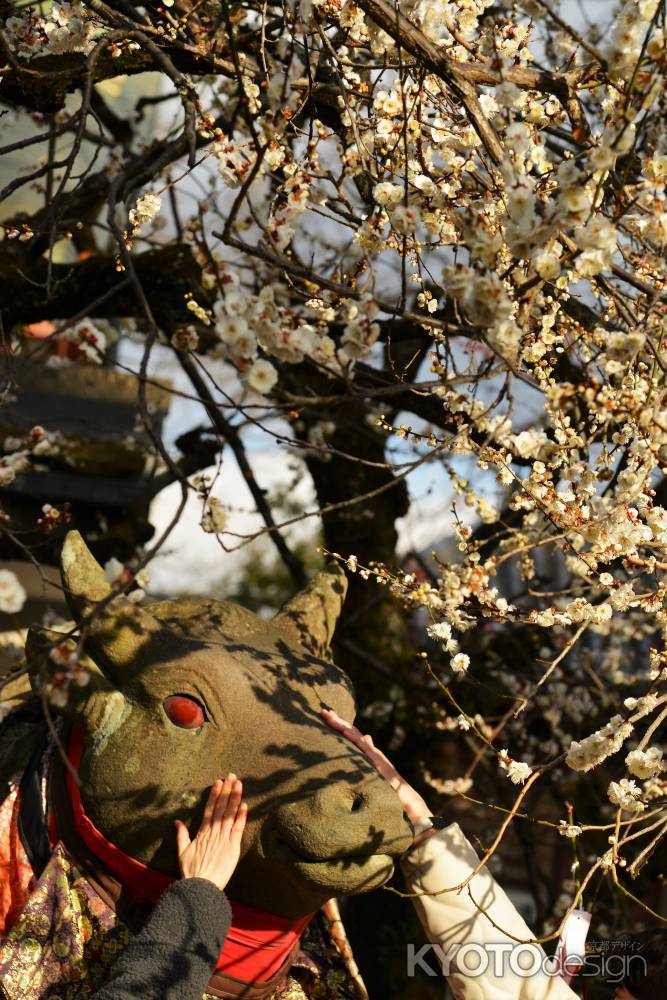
(452, 919)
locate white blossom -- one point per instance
(570, 830)
(439, 631)
(591, 751)
(12, 594)
(448, 786)
(460, 663)
(147, 207)
(214, 518)
(261, 377)
(387, 193)
(626, 795)
(517, 771)
(645, 763)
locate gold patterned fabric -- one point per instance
(66, 940)
(63, 939)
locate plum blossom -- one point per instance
(441, 631)
(645, 763)
(570, 830)
(387, 193)
(460, 663)
(12, 593)
(147, 207)
(261, 377)
(626, 795)
(517, 771)
(214, 518)
(448, 786)
(11, 465)
(68, 27)
(591, 751)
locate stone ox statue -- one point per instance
(182, 692)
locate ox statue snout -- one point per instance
(344, 837)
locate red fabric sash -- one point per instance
(257, 943)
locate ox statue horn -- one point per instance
(310, 616)
(120, 632)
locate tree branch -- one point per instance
(230, 435)
(168, 273)
(461, 77)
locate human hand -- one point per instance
(412, 802)
(215, 851)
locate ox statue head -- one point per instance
(182, 692)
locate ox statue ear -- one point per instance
(117, 633)
(90, 699)
(310, 616)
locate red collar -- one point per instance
(257, 943)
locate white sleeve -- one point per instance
(493, 966)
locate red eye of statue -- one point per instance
(184, 711)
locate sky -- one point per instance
(192, 561)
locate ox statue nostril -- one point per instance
(358, 802)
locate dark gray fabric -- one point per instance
(174, 955)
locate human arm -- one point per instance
(414, 805)
(173, 956)
(480, 916)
